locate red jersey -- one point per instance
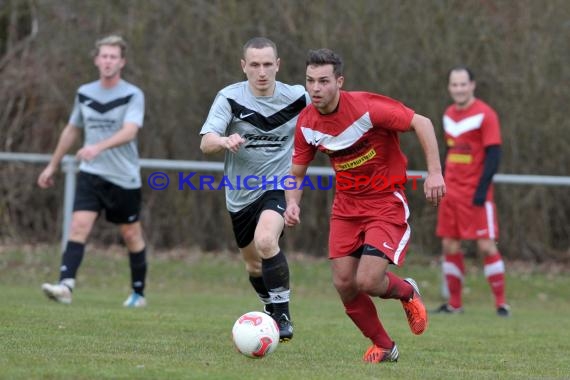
(467, 133)
(361, 140)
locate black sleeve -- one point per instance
(444, 160)
(491, 165)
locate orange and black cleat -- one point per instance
(415, 310)
(377, 354)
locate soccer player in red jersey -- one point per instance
(473, 139)
(368, 224)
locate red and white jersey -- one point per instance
(361, 140)
(467, 133)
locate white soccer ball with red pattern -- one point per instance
(255, 334)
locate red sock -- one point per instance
(454, 271)
(364, 315)
(398, 288)
(494, 270)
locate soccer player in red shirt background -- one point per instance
(473, 139)
(368, 225)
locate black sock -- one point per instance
(137, 262)
(71, 259)
(259, 286)
(262, 293)
(275, 272)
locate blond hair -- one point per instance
(112, 40)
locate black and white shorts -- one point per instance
(93, 193)
(245, 220)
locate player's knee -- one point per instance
(344, 284)
(253, 267)
(79, 229)
(131, 235)
(450, 246)
(487, 247)
(266, 245)
(368, 284)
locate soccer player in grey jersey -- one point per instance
(110, 112)
(254, 122)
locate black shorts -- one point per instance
(245, 220)
(93, 193)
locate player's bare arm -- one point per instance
(293, 197)
(127, 133)
(66, 140)
(214, 143)
(434, 185)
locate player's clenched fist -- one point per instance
(233, 142)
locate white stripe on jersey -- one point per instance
(404, 241)
(490, 219)
(458, 128)
(344, 140)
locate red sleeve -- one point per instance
(490, 129)
(388, 113)
(303, 152)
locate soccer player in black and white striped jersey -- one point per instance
(110, 112)
(253, 122)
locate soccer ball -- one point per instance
(255, 334)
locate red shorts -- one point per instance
(460, 219)
(386, 229)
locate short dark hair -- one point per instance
(466, 68)
(325, 56)
(259, 43)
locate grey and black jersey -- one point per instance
(267, 123)
(101, 112)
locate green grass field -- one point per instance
(194, 300)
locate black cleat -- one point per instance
(268, 309)
(448, 309)
(285, 327)
(504, 311)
